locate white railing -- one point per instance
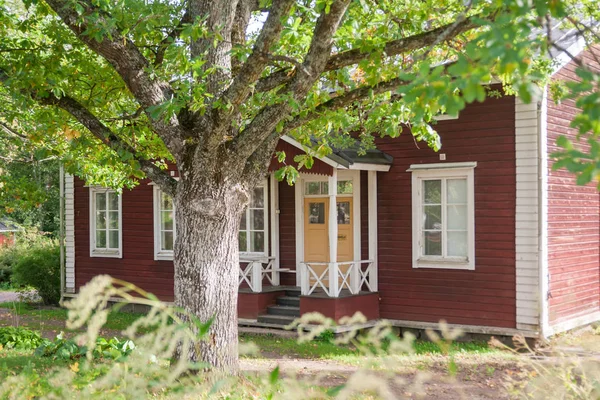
(332, 278)
(254, 270)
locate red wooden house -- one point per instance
(7, 233)
(482, 234)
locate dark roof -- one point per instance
(6, 226)
(350, 156)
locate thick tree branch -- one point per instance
(129, 63)
(392, 48)
(250, 71)
(107, 136)
(249, 140)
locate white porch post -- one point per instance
(274, 214)
(372, 195)
(256, 276)
(333, 235)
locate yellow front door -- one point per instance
(316, 234)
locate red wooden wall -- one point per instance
(573, 222)
(7, 239)
(484, 133)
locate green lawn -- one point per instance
(54, 316)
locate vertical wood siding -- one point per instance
(573, 222)
(485, 132)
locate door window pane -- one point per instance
(257, 220)
(243, 241)
(257, 200)
(344, 187)
(257, 242)
(316, 213)
(343, 212)
(312, 188)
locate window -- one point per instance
(443, 216)
(105, 223)
(253, 232)
(164, 225)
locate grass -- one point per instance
(55, 316)
(13, 362)
(271, 345)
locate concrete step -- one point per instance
(293, 292)
(288, 301)
(275, 320)
(284, 310)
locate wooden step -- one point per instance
(288, 301)
(275, 320)
(284, 310)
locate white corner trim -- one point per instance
(112, 253)
(418, 167)
(274, 218)
(465, 171)
(299, 225)
(563, 58)
(370, 167)
(372, 221)
(69, 233)
(529, 264)
(573, 323)
(544, 275)
(299, 145)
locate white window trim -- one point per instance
(94, 252)
(441, 171)
(265, 252)
(159, 254)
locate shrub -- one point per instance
(66, 349)
(39, 268)
(20, 338)
(8, 259)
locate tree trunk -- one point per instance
(207, 264)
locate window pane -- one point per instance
(257, 219)
(100, 201)
(243, 221)
(243, 241)
(316, 213)
(457, 191)
(433, 217)
(312, 188)
(167, 240)
(100, 220)
(113, 239)
(433, 244)
(432, 191)
(257, 242)
(166, 202)
(113, 219)
(343, 212)
(113, 201)
(167, 220)
(344, 187)
(257, 200)
(457, 244)
(324, 188)
(457, 217)
(101, 239)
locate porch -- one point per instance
(334, 271)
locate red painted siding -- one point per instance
(484, 133)
(573, 222)
(287, 232)
(7, 239)
(137, 265)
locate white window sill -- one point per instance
(443, 264)
(164, 256)
(106, 253)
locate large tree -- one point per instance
(117, 88)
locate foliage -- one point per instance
(63, 348)
(20, 338)
(39, 268)
(25, 241)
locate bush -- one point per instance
(8, 259)
(39, 267)
(68, 349)
(20, 338)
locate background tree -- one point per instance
(119, 87)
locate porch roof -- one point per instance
(6, 226)
(350, 158)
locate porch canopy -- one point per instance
(328, 216)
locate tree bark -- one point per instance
(207, 264)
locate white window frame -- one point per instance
(421, 172)
(104, 252)
(250, 254)
(159, 254)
